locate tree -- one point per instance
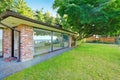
(57, 19)
(19, 6)
(39, 15)
(52, 20)
(89, 17)
(5, 4)
(48, 18)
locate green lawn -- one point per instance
(86, 62)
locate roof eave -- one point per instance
(16, 15)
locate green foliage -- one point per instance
(39, 15)
(46, 17)
(21, 7)
(86, 62)
(89, 17)
(18, 6)
(57, 19)
(5, 4)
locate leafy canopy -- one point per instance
(19, 6)
(89, 17)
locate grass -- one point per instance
(86, 62)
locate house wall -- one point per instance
(26, 45)
(7, 42)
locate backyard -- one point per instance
(85, 62)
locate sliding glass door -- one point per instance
(46, 41)
(65, 40)
(57, 40)
(42, 41)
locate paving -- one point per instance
(9, 68)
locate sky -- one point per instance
(39, 4)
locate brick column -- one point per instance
(7, 42)
(70, 41)
(27, 45)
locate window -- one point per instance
(46, 41)
(65, 40)
(57, 40)
(42, 41)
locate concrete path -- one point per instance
(9, 68)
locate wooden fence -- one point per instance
(102, 39)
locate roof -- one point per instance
(14, 19)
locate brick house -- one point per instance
(25, 38)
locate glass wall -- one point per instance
(65, 40)
(57, 40)
(42, 41)
(46, 41)
(1, 34)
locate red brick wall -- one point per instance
(7, 43)
(27, 45)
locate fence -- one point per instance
(102, 39)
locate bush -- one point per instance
(47, 44)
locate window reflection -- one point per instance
(46, 41)
(65, 40)
(57, 40)
(42, 41)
